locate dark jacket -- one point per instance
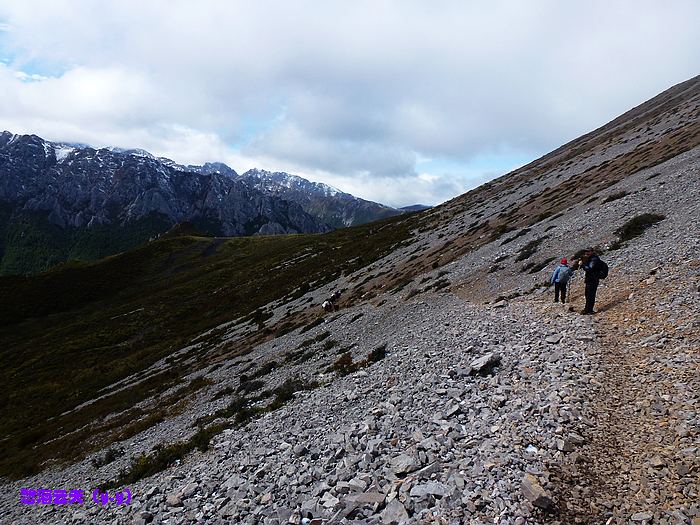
(591, 269)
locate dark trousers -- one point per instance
(560, 288)
(591, 288)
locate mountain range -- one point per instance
(61, 201)
(447, 387)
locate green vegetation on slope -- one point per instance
(70, 333)
(30, 243)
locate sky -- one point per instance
(397, 101)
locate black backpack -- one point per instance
(602, 269)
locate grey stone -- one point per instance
(300, 449)
(189, 490)
(364, 498)
(484, 364)
(657, 462)
(432, 488)
(535, 493)
(394, 513)
(173, 500)
(403, 464)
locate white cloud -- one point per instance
(358, 92)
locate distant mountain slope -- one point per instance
(61, 201)
(415, 207)
(332, 206)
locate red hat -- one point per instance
(564, 261)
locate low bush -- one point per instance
(522, 232)
(226, 391)
(412, 293)
(329, 344)
(356, 317)
(311, 325)
(250, 386)
(110, 455)
(529, 249)
(634, 228)
(377, 354)
(614, 196)
(320, 337)
(344, 365)
(263, 370)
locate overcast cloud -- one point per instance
(396, 101)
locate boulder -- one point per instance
(431, 488)
(394, 513)
(403, 464)
(535, 493)
(484, 364)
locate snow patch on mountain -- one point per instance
(61, 151)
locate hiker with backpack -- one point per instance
(560, 279)
(595, 271)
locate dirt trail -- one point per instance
(640, 463)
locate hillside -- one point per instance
(202, 374)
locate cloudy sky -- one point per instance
(397, 101)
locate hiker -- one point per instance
(330, 305)
(595, 271)
(560, 280)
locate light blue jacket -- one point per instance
(555, 275)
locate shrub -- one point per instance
(529, 249)
(377, 354)
(614, 196)
(356, 317)
(512, 238)
(636, 226)
(344, 365)
(412, 293)
(263, 370)
(320, 337)
(500, 231)
(163, 456)
(439, 285)
(110, 455)
(250, 386)
(331, 343)
(223, 393)
(285, 392)
(312, 324)
(536, 267)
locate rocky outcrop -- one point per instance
(334, 207)
(80, 187)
